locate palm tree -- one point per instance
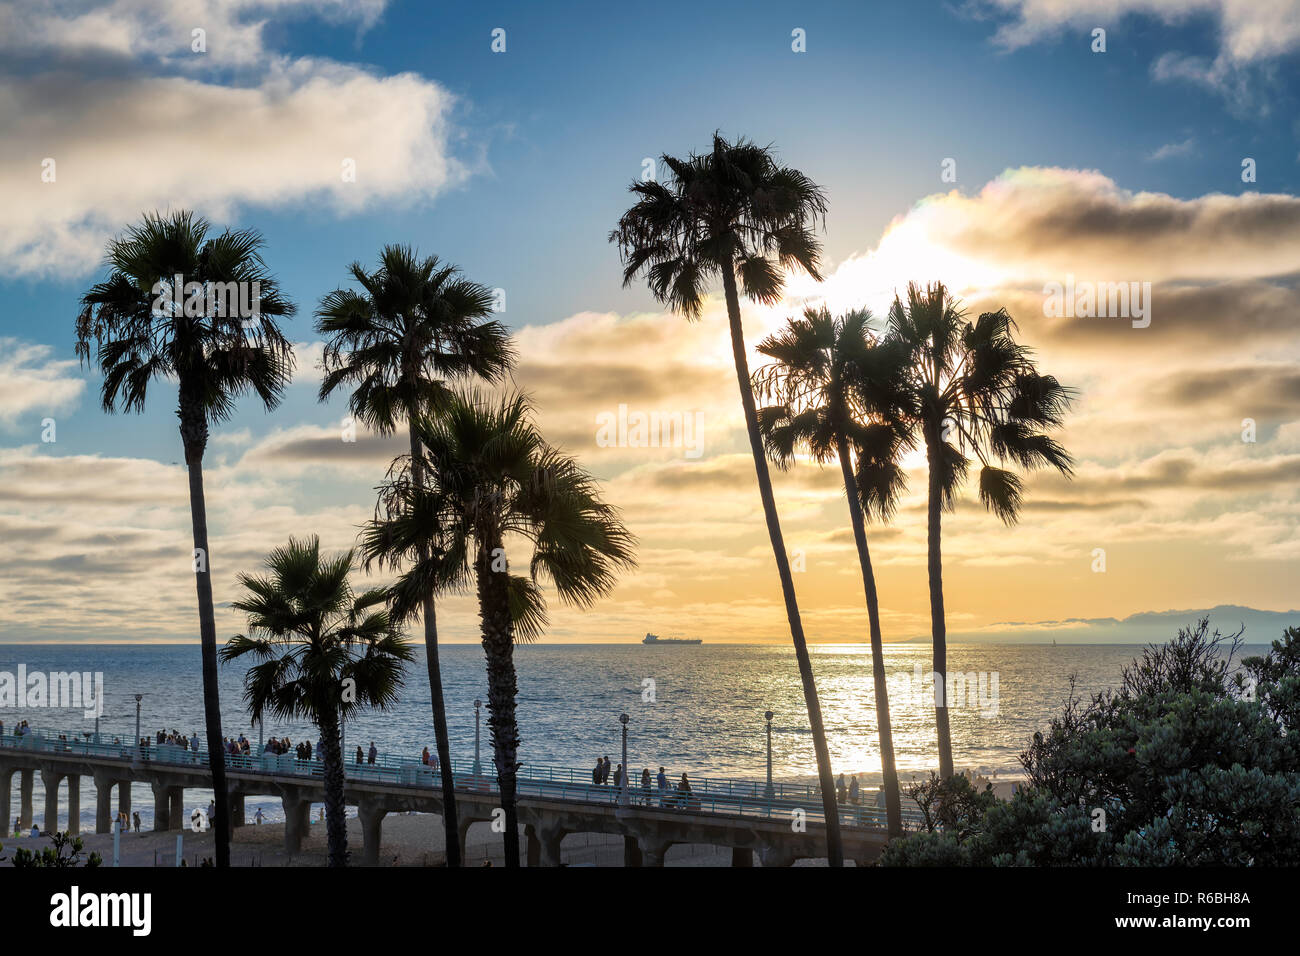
(973, 390)
(417, 324)
(323, 653)
(735, 211)
(836, 392)
(142, 333)
(493, 479)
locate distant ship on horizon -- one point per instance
(656, 639)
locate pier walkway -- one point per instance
(779, 828)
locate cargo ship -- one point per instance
(656, 639)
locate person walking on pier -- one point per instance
(853, 789)
(840, 791)
(684, 796)
(370, 759)
(597, 772)
(361, 758)
(645, 785)
(662, 782)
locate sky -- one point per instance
(999, 146)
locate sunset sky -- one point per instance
(1124, 165)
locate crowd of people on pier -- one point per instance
(672, 797)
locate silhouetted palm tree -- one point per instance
(973, 389)
(731, 212)
(837, 392)
(493, 479)
(213, 353)
(417, 324)
(323, 653)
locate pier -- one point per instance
(778, 827)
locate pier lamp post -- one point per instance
(138, 698)
(624, 796)
(769, 792)
(478, 768)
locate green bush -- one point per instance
(1190, 762)
(63, 851)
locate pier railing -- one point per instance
(708, 794)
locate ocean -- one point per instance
(693, 709)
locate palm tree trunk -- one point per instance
(893, 803)
(336, 821)
(499, 647)
(442, 741)
(938, 627)
(834, 847)
(194, 436)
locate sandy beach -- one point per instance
(409, 840)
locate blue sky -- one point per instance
(546, 136)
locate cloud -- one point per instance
(1033, 223)
(80, 159)
(1251, 34)
(1174, 150)
(162, 31)
(31, 381)
(1248, 30)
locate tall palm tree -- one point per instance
(323, 653)
(416, 325)
(731, 212)
(836, 392)
(492, 481)
(142, 332)
(973, 390)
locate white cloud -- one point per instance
(128, 142)
(1250, 32)
(1174, 150)
(31, 380)
(163, 30)
(1248, 29)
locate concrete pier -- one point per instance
(6, 794)
(548, 813)
(371, 813)
(297, 818)
(50, 780)
(27, 784)
(74, 804)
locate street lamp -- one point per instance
(770, 793)
(624, 797)
(138, 698)
(478, 769)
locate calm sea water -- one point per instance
(694, 709)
